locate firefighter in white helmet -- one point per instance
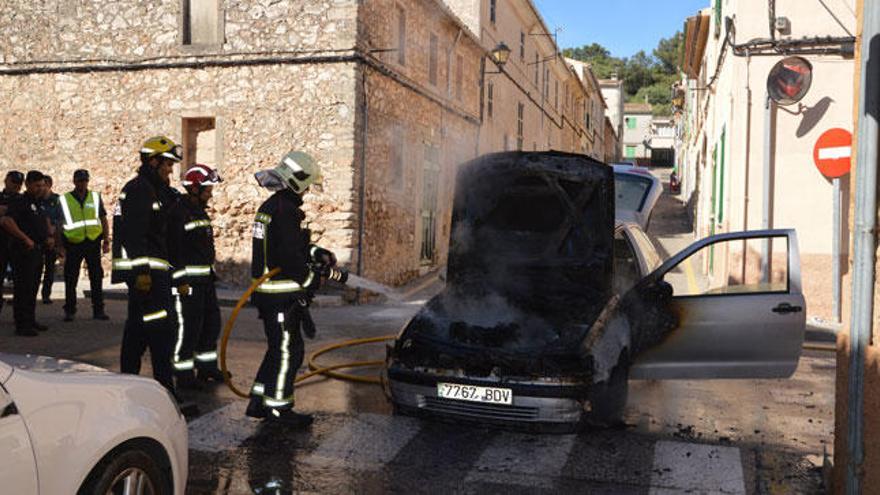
(279, 241)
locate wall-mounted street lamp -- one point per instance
(500, 55)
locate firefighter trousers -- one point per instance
(283, 357)
(198, 327)
(150, 325)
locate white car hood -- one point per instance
(42, 364)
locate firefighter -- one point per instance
(141, 260)
(11, 190)
(32, 234)
(85, 238)
(279, 241)
(191, 252)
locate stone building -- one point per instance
(537, 101)
(388, 95)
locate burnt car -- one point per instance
(552, 304)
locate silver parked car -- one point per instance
(552, 305)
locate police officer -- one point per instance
(51, 205)
(279, 241)
(31, 234)
(191, 252)
(84, 237)
(11, 190)
(141, 260)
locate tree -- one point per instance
(638, 72)
(668, 53)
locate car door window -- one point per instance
(626, 265)
(631, 191)
(733, 267)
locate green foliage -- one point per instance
(644, 76)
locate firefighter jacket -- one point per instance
(279, 241)
(190, 243)
(140, 226)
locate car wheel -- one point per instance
(609, 397)
(132, 471)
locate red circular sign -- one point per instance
(832, 153)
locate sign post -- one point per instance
(832, 156)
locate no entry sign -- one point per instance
(832, 153)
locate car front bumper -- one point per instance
(538, 403)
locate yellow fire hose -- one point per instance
(314, 368)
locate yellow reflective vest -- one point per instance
(81, 221)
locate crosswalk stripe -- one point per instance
(367, 442)
(222, 429)
(692, 467)
(523, 459)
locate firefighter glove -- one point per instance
(143, 282)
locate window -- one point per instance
(201, 21)
(490, 99)
(626, 265)
(492, 11)
(506, 142)
(536, 69)
(630, 151)
(459, 68)
(556, 95)
(522, 46)
(199, 142)
(546, 81)
(432, 60)
(401, 36)
(587, 118)
(397, 144)
(734, 267)
(630, 122)
(520, 110)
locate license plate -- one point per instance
(474, 393)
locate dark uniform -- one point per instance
(6, 199)
(191, 252)
(52, 208)
(86, 249)
(139, 247)
(27, 264)
(279, 241)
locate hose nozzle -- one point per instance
(337, 275)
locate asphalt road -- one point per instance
(726, 436)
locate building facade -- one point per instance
(637, 118)
(722, 130)
(388, 95)
(612, 92)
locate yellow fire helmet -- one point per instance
(298, 170)
(161, 146)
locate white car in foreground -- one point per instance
(68, 427)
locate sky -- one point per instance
(622, 26)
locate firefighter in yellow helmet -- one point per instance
(279, 241)
(140, 259)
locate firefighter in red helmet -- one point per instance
(191, 253)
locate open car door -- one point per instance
(740, 309)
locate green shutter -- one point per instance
(630, 151)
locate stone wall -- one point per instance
(413, 126)
(61, 122)
(136, 29)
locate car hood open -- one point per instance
(530, 265)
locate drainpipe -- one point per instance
(767, 196)
(747, 160)
(362, 186)
(864, 244)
